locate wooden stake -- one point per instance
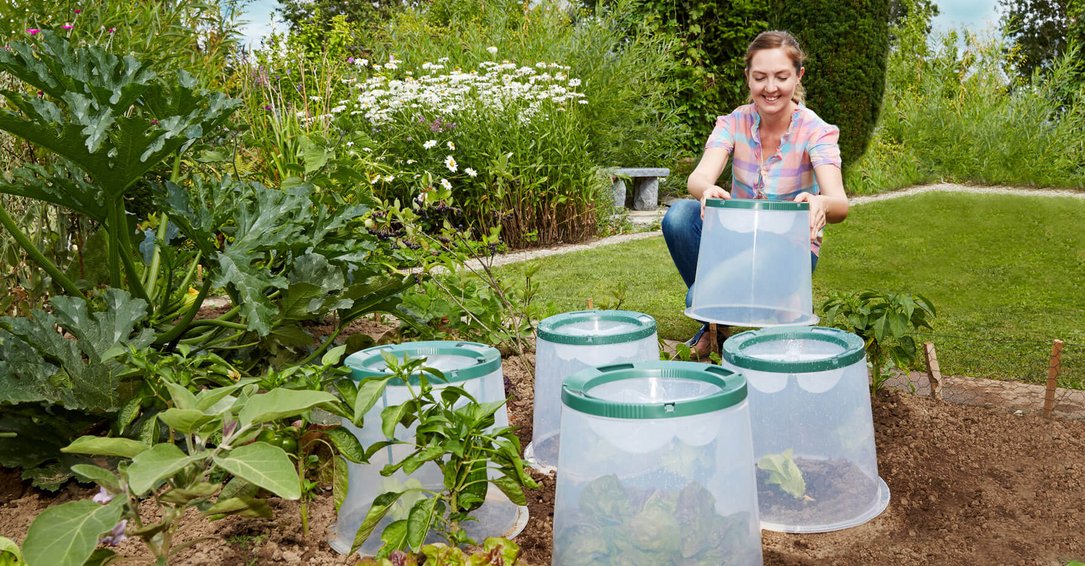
(590, 306)
(1053, 365)
(713, 338)
(934, 373)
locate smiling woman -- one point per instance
(781, 151)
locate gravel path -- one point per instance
(526, 255)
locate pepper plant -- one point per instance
(887, 322)
(457, 434)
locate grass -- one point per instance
(1004, 272)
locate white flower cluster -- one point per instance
(493, 87)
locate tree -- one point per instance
(847, 44)
(1038, 29)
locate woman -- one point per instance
(781, 151)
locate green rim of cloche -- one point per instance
(756, 204)
(481, 359)
(556, 329)
(736, 350)
(576, 390)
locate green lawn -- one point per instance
(1006, 273)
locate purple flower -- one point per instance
(267, 107)
(102, 496)
(116, 535)
(350, 59)
(33, 31)
(77, 11)
(111, 30)
(67, 26)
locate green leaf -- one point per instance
(182, 496)
(340, 482)
(100, 557)
(264, 465)
(243, 506)
(9, 552)
(346, 444)
(313, 154)
(280, 403)
(394, 536)
(158, 463)
(66, 534)
(381, 505)
(417, 458)
(185, 421)
(419, 522)
(98, 475)
(784, 473)
(369, 392)
(208, 398)
(392, 416)
(102, 446)
(511, 488)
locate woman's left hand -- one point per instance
(817, 213)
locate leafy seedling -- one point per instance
(783, 472)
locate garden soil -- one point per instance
(970, 485)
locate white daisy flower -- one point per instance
(451, 146)
(450, 163)
(446, 184)
(430, 144)
(471, 172)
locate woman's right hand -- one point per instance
(715, 191)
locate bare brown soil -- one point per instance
(970, 485)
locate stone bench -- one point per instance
(645, 186)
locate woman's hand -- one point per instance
(715, 191)
(818, 212)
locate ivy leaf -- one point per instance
(66, 534)
(784, 473)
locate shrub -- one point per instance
(710, 54)
(941, 92)
(846, 44)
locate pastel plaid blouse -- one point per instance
(809, 142)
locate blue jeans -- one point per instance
(682, 232)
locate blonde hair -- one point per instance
(790, 45)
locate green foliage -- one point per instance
(112, 118)
(10, 555)
(939, 93)
(709, 77)
(495, 551)
(846, 44)
(887, 322)
(1038, 31)
(457, 434)
(216, 429)
(783, 472)
(618, 524)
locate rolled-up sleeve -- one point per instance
(723, 135)
(824, 148)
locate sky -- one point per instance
(976, 15)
